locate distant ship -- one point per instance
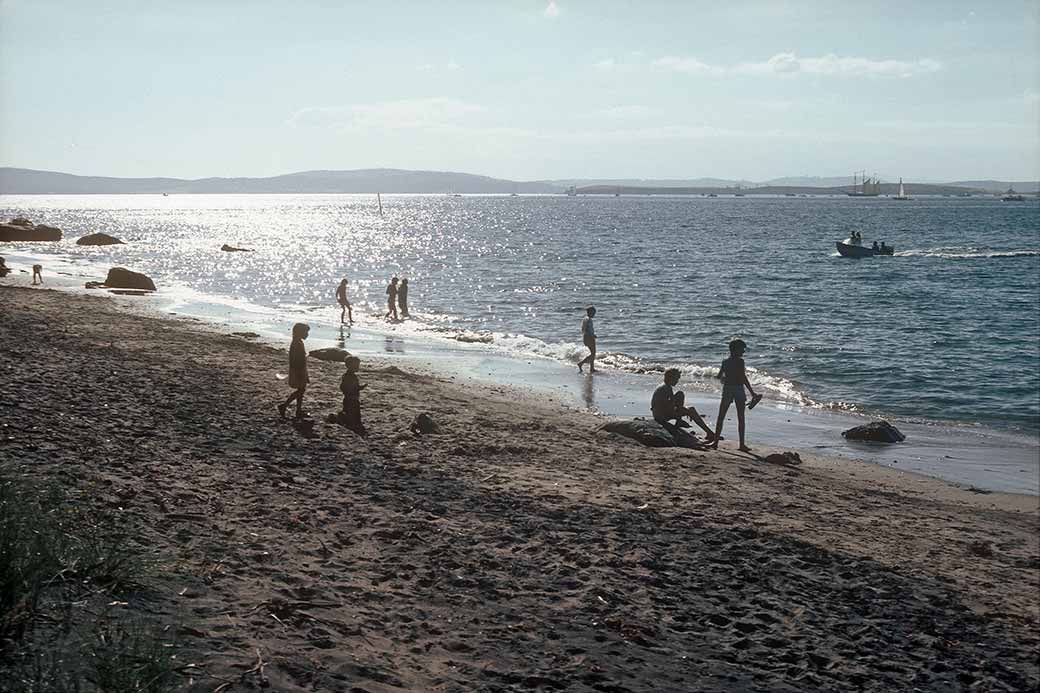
(572, 191)
(902, 192)
(868, 187)
(1012, 196)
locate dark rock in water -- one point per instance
(334, 354)
(21, 221)
(875, 431)
(245, 335)
(424, 425)
(25, 230)
(122, 278)
(646, 431)
(788, 458)
(232, 249)
(98, 239)
(95, 285)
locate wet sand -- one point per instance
(517, 550)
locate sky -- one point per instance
(523, 89)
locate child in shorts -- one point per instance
(734, 380)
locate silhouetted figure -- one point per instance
(4, 269)
(588, 338)
(402, 297)
(667, 406)
(883, 247)
(351, 388)
(37, 274)
(734, 380)
(391, 299)
(298, 377)
(341, 298)
(875, 248)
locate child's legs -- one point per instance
(740, 421)
(297, 395)
(723, 408)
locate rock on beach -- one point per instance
(333, 354)
(876, 432)
(122, 278)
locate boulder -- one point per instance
(98, 239)
(423, 424)
(788, 458)
(645, 431)
(333, 354)
(21, 232)
(232, 249)
(21, 221)
(876, 432)
(122, 278)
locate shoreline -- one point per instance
(966, 455)
(516, 549)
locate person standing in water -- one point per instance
(37, 274)
(588, 338)
(402, 297)
(341, 298)
(391, 299)
(298, 377)
(734, 380)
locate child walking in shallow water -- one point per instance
(351, 389)
(734, 380)
(298, 377)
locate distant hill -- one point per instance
(999, 186)
(23, 181)
(20, 181)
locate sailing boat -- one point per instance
(869, 187)
(902, 192)
(1012, 196)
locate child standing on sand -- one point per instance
(734, 380)
(351, 389)
(298, 377)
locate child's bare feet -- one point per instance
(281, 410)
(744, 448)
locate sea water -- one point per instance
(945, 331)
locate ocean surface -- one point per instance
(947, 330)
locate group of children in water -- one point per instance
(667, 406)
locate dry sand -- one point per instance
(517, 550)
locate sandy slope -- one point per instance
(518, 550)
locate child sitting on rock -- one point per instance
(667, 406)
(351, 389)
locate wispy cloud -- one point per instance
(789, 63)
(552, 10)
(605, 64)
(429, 114)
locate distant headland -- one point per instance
(22, 181)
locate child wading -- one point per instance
(298, 378)
(734, 380)
(351, 389)
(588, 338)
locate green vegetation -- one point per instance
(67, 575)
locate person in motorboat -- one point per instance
(883, 247)
(875, 248)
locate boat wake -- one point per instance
(966, 253)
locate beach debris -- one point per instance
(787, 458)
(24, 230)
(645, 431)
(875, 431)
(246, 335)
(423, 424)
(122, 278)
(981, 548)
(98, 239)
(232, 249)
(333, 354)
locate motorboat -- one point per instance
(853, 247)
(1012, 196)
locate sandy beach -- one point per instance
(518, 549)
